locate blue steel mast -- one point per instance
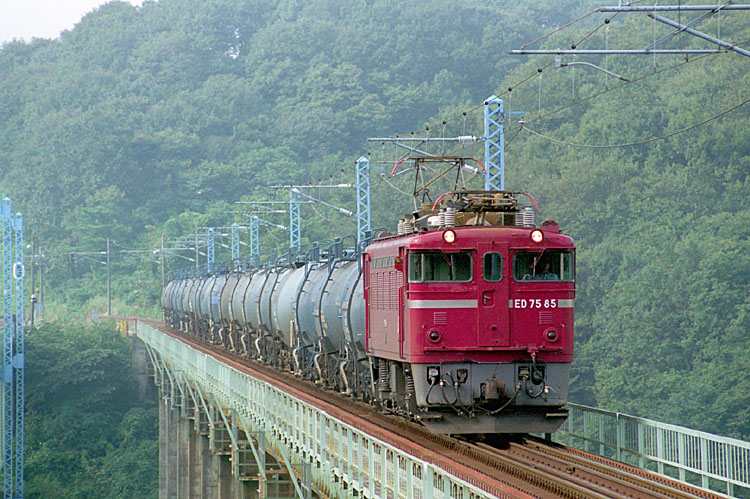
(18, 357)
(235, 244)
(7, 353)
(363, 199)
(13, 352)
(294, 222)
(254, 246)
(494, 144)
(210, 250)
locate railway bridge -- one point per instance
(233, 429)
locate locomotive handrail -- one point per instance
(369, 237)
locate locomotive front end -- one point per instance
(484, 338)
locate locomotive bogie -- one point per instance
(489, 389)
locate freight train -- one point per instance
(462, 321)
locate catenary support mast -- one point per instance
(13, 351)
(494, 144)
(363, 198)
(294, 222)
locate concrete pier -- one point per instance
(197, 463)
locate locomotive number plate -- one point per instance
(537, 303)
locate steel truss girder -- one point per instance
(221, 426)
(336, 459)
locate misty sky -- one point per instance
(26, 19)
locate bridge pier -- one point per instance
(194, 462)
(197, 458)
(184, 441)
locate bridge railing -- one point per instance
(336, 453)
(699, 458)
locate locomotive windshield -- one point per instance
(439, 267)
(544, 266)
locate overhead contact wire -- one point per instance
(653, 139)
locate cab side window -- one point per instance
(493, 267)
(440, 267)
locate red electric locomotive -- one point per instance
(469, 317)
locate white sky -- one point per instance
(26, 19)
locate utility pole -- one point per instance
(163, 313)
(196, 253)
(109, 284)
(33, 279)
(163, 282)
(40, 307)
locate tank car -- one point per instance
(463, 320)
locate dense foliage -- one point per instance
(87, 432)
(152, 120)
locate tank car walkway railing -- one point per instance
(323, 456)
(702, 459)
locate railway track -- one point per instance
(509, 468)
(584, 474)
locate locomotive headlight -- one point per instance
(551, 335)
(537, 236)
(449, 236)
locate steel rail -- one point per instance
(571, 454)
(614, 481)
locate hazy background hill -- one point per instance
(157, 119)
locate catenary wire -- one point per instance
(653, 139)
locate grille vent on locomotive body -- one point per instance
(463, 208)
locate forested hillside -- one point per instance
(157, 119)
(88, 434)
